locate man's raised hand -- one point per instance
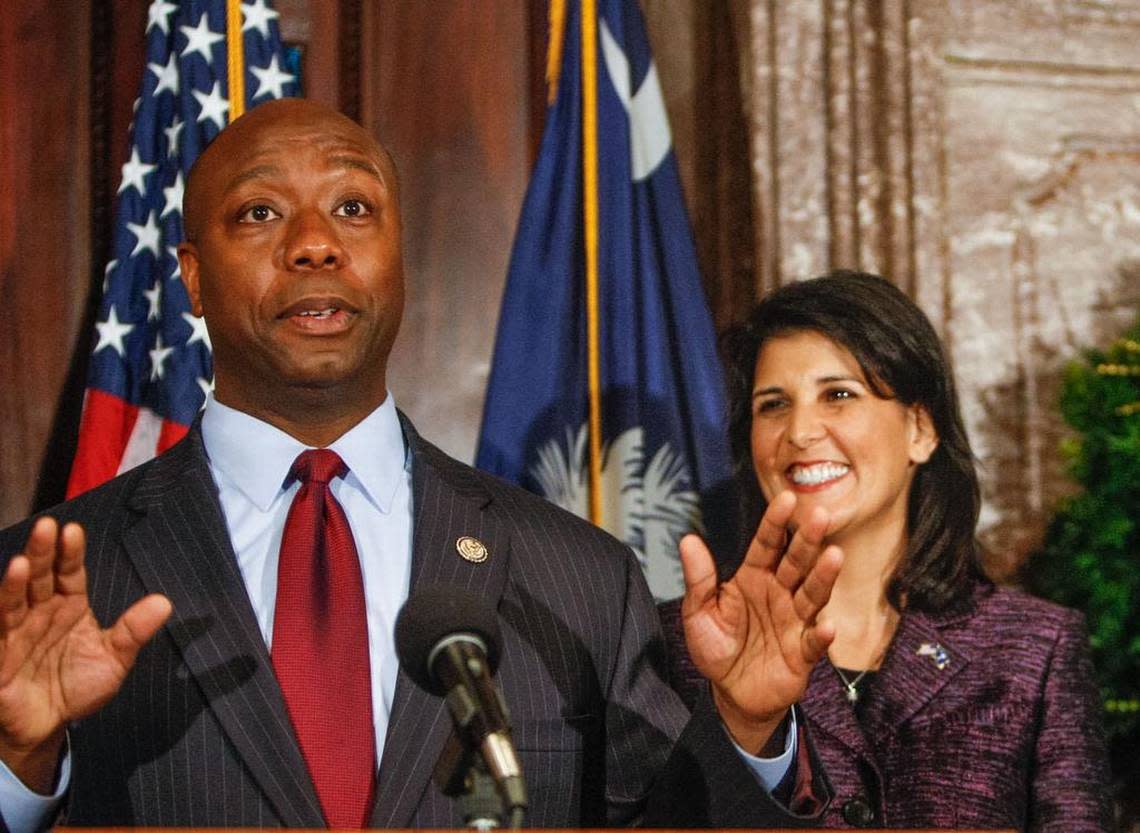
(755, 636)
(56, 663)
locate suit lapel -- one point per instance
(907, 681)
(448, 503)
(911, 676)
(827, 710)
(181, 549)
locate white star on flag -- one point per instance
(146, 235)
(158, 357)
(112, 332)
(159, 15)
(200, 39)
(214, 107)
(200, 332)
(154, 298)
(173, 252)
(207, 387)
(167, 75)
(172, 136)
(173, 196)
(107, 270)
(134, 173)
(257, 16)
(271, 79)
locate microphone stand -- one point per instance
(462, 775)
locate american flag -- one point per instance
(151, 363)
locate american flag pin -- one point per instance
(471, 549)
(936, 652)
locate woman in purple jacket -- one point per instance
(944, 701)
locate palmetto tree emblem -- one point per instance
(647, 504)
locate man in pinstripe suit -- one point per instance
(165, 710)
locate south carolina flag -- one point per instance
(606, 394)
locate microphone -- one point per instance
(447, 640)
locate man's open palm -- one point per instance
(56, 663)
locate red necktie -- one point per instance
(320, 643)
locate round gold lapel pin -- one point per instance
(472, 549)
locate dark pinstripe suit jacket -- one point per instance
(1006, 734)
(198, 735)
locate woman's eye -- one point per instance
(257, 214)
(768, 406)
(352, 208)
(839, 394)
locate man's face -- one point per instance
(294, 258)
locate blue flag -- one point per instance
(151, 363)
(663, 415)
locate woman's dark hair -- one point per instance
(903, 359)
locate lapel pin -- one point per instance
(471, 549)
(936, 652)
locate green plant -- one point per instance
(1091, 556)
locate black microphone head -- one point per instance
(432, 614)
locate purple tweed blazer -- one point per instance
(1006, 733)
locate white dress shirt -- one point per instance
(250, 461)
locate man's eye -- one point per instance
(257, 214)
(353, 208)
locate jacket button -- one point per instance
(858, 813)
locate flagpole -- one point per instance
(590, 209)
(235, 60)
(557, 22)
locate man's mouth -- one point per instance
(318, 313)
(816, 474)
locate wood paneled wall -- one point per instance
(449, 94)
(45, 227)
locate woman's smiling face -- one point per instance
(820, 430)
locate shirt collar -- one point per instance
(256, 456)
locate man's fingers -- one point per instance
(14, 594)
(803, 550)
(772, 535)
(41, 553)
(137, 625)
(699, 570)
(816, 641)
(70, 576)
(815, 592)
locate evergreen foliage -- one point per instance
(1091, 557)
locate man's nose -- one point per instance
(806, 427)
(313, 242)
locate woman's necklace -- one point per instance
(852, 686)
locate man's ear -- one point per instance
(188, 263)
(923, 436)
